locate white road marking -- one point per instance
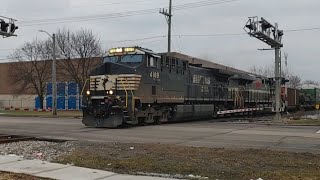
(318, 132)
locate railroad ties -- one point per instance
(4, 139)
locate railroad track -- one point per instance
(4, 139)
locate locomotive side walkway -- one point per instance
(59, 171)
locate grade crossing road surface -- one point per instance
(200, 134)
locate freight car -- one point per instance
(309, 98)
(138, 86)
(290, 99)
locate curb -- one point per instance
(25, 109)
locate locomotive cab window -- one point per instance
(152, 61)
(112, 59)
(184, 67)
(130, 59)
(173, 63)
(162, 63)
(167, 62)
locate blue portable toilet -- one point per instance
(61, 89)
(49, 102)
(37, 102)
(72, 89)
(72, 103)
(49, 89)
(61, 103)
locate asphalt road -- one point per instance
(200, 134)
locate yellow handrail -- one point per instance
(84, 86)
(132, 96)
(125, 89)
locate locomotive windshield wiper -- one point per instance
(133, 54)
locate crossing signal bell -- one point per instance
(4, 26)
(13, 28)
(7, 27)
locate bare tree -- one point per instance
(294, 81)
(268, 71)
(311, 82)
(31, 71)
(78, 53)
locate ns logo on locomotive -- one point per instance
(135, 86)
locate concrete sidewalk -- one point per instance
(59, 171)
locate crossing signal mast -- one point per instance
(271, 35)
(7, 26)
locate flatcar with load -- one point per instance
(136, 86)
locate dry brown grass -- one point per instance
(206, 162)
(305, 122)
(14, 176)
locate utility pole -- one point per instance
(54, 77)
(271, 35)
(54, 73)
(168, 16)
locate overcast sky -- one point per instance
(239, 51)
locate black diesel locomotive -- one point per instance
(138, 86)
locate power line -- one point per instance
(149, 42)
(140, 39)
(121, 14)
(177, 39)
(7, 49)
(201, 4)
(110, 3)
(210, 35)
(305, 29)
(188, 35)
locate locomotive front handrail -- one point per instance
(132, 96)
(84, 86)
(125, 89)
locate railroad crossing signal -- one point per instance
(271, 35)
(7, 26)
(264, 31)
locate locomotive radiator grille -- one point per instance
(129, 82)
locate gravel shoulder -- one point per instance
(14, 176)
(43, 150)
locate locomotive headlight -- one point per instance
(88, 93)
(111, 92)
